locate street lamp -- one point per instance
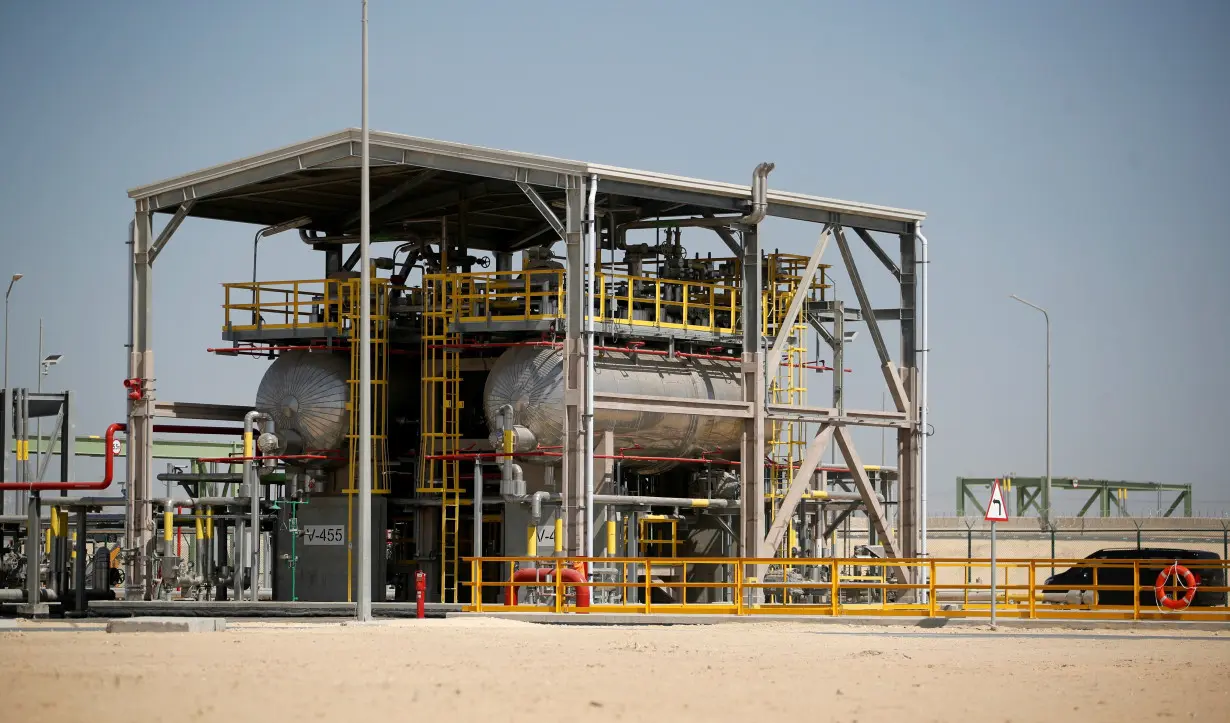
(15, 279)
(1046, 491)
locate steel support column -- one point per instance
(139, 527)
(572, 480)
(752, 509)
(909, 461)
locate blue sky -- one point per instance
(1072, 153)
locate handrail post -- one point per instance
(559, 588)
(648, 585)
(739, 588)
(476, 597)
(834, 586)
(1033, 595)
(931, 587)
(685, 305)
(1136, 589)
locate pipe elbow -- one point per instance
(536, 501)
(760, 194)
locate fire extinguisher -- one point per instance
(420, 591)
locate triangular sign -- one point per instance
(997, 511)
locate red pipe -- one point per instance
(536, 574)
(633, 350)
(493, 344)
(108, 470)
(686, 355)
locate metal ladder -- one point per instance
(439, 469)
(350, 322)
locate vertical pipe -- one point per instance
(34, 549)
(237, 556)
(531, 541)
(1046, 493)
(478, 510)
(38, 421)
(252, 479)
(363, 610)
(559, 536)
(610, 538)
(220, 591)
(923, 352)
(79, 564)
(591, 274)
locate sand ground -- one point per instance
(492, 670)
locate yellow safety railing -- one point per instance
(508, 295)
(668, 303)
(1115, 590)
(287, 305)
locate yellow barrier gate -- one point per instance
(1100, 590)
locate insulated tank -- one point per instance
(305, 393)
(531, 380)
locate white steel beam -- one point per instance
(891, 376)
(543, 207)
(871, 501)
(796, 303)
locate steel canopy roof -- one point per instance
(414, 179)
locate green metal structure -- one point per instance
(91, 446)
(1110, 495)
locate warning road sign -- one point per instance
(997, 511)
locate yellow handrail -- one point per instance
(723, 586)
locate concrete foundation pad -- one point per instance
(167, 625)
(37, 610)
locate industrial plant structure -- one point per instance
(554, 374)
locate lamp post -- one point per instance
(1046, 491)
(44, 366)
(15, 279)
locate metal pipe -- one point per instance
(506, 436)
(536, 501)
(591, 272)
(760, 195)
(249, 474)
(922, 396)
(108, 470)
(478, 508)
(704, 222)
(363, 610)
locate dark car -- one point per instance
(1159, 558)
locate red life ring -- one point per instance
(1185, 577)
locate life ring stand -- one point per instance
(1185, 577)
